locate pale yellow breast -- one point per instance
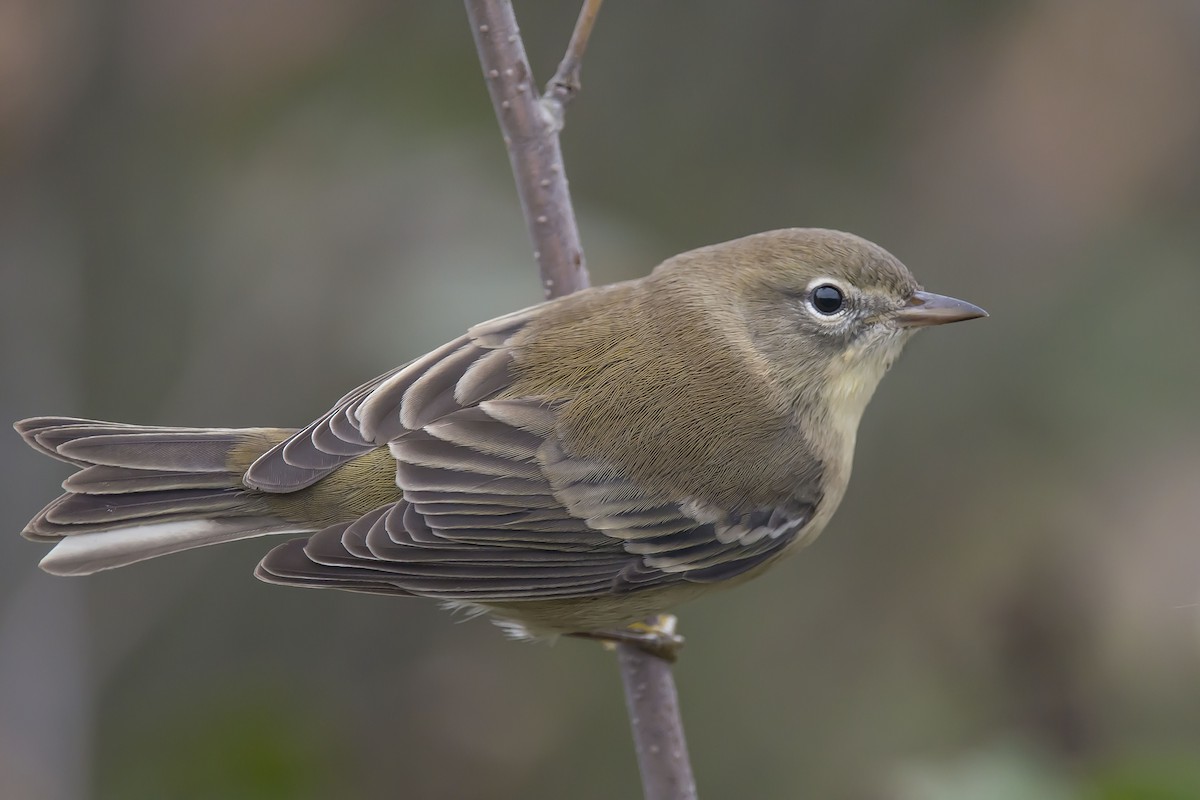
(849, 385)
(850, 381)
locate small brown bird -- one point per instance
(572, 467)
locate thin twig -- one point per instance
(530, 126)
(565, 84)
(531, 135)
(653, 706)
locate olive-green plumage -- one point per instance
(572, 466)
(706, 361)
(358, 486)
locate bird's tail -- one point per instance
(144, 491)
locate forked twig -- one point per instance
(530, 131)
(565, 84)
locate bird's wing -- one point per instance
(493, 507)
(495, 510)
(456, 375)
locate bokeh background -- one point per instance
(228, 213)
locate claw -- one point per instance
(656, 636)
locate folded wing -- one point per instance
(494, 510)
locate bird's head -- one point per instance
(827, 311)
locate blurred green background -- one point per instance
(228, 213)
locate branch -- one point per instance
(653, 706)
(565, 84)
(530, 129)
(530, 126)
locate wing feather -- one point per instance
(459, 374)
(495, 510)
(494, 507)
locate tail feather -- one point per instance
(45, 434)
(42, 529)
(100, 479)
(147, 491)
(118, 547)
(170, 450)
(76, 509)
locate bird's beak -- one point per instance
(926, 308)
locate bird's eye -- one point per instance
(827, 299)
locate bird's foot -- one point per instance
(656, 636)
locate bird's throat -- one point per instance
(849, 384)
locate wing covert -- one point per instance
(457, 375)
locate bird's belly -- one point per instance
(537, 619)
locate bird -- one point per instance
(575, 467)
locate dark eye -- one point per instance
(827, 299)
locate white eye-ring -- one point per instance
(827, 298)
